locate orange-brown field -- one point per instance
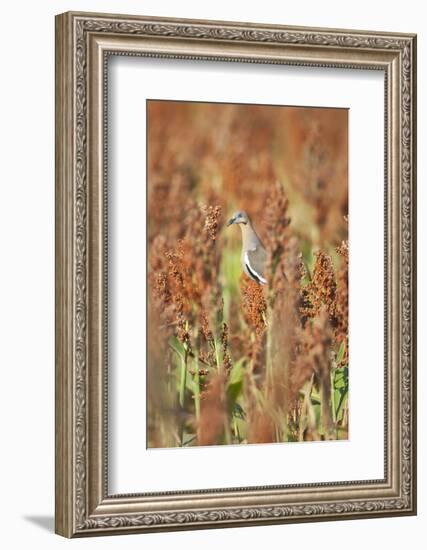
(231, 361)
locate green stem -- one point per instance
(227, 432)
(183, 379)
(269, 354)
(197, 389)
(334, 412)
(343, 396)
(236, 429)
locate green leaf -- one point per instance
(316, 407)
(337, 399)
(191, 385)
(341, 352)
(339, 383)
(238, 411)
(315, 395)
(188, 439)
(340, 394)
(236, 374)
(341, 406)
(341, 378)
(233, 392)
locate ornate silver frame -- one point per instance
(83, 42)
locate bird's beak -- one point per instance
(230, 222)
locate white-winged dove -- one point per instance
(254, 255)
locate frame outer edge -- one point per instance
(249, 25)
(414, 269)
(73, 401)
(64, 237)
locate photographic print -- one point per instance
(247, 274)
(235, 274)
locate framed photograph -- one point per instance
(235, 274)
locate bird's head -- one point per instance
(239, 217)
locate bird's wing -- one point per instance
(255, 262)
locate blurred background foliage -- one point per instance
(228, 361)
